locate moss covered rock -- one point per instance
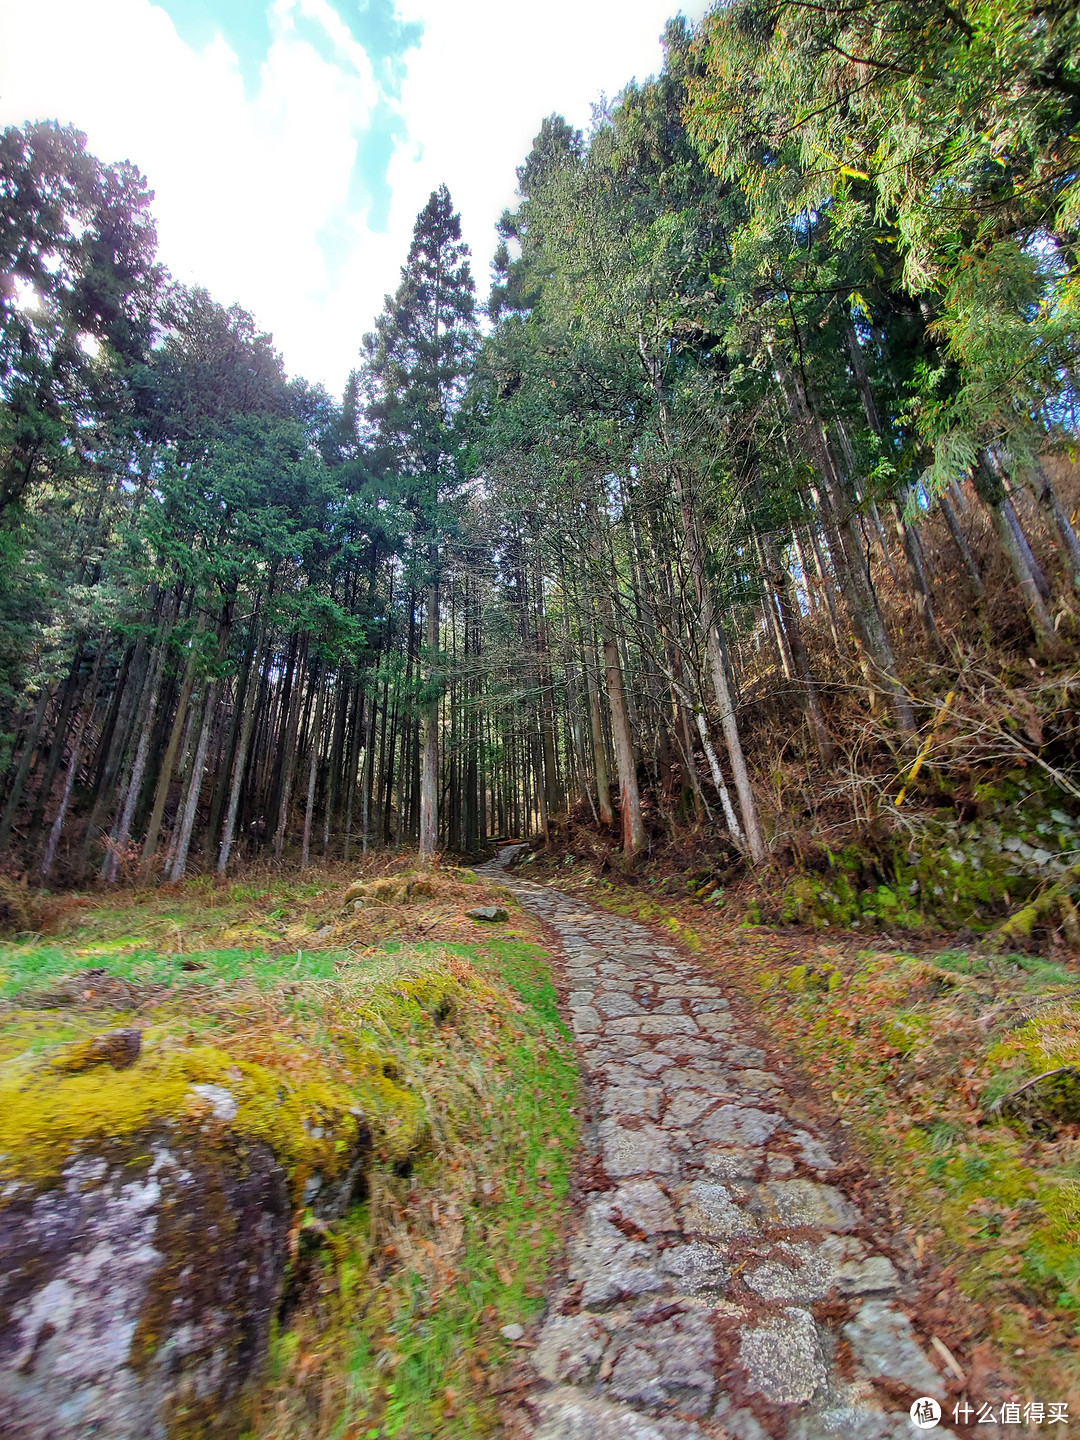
(147, 1190)
(138, 1288)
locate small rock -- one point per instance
(512, 1332)
(222, 1102)
(488, 912)
(118, 1048)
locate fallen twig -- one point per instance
(997, 1106)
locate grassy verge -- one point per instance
(922, 1054)
(449, 1044)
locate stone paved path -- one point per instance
(719, 1284)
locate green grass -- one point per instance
(405, 1352)
(33, 965)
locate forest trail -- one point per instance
(720, 1282)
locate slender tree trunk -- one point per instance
(313, 770)
(292, 726)
(53, 842)
(992, 493)
(191, 803)
(815, 717)
(25, 765)
(960, 541)
(854, 574)
(161, 793)
(147, 715)
(599, 747)
(1058, 518)
(633, 829)
(429, 768)
(924, 604)
(56, 751)
(240, 759)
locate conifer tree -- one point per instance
(413, 372)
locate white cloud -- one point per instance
(251, 182)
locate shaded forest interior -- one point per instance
(738, 523)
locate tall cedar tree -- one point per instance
(413, 371)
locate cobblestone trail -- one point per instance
(697, 1276)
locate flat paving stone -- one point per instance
(645, 1206)
(645, 1151)
(633, 1100)
(884, 1341)
(740, 1125)
(710, 1224)
(708, 1212)
(688, 1106)
(793, 1203)
(783, 1358)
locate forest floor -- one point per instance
(905, 1060)
(443, 1031)
(792, 1179)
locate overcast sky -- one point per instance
(291, 143)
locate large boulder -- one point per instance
(149, 1197)
(137, 1291)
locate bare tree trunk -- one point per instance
(992, 493)
(26, 761)
(429, 767)
(633, 830)
(191, 803)
(291, 726)
(815, 717)
(924, 603)
(960, 541)
(599, 748)
(855, 579)
(1050, 503)
(161, 794)
(122, 831)
(313, 771)
(53, 842)
(240, 759)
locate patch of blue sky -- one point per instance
(369, 184)
(246, 26)
(376, 26)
